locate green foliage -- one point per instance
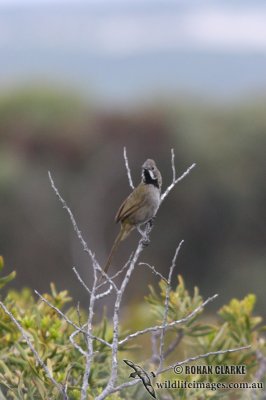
(4, 280)
(22, 378)
(40, 107)
(236, 327)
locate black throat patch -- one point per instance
(148, 179)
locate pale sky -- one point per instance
(211, 26)
(16, 2)
(126, 47)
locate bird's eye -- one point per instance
(152, 168)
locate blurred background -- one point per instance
(79, 80)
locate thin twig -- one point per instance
(166, 305)
(173, 164)
(95, 264)
(73, 334)
(75, 226)
(90, 349)
(81, 280)
(119, 272)
(200, 356)
(64, 316)
(153, 269)
(170, 324)
(174, 180)
(123, 268)
(128, 169)
(74, 344)
(104, 294)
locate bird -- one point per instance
(140, 373)
(139, 207)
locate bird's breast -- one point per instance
(150, 205)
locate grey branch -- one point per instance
(200, 356)
(90, 348)
(95, 264)
(170, 324)
(173, 164)
(81, 280)
(153, 269)
(104, 294)
(125, 266)
(174, 179)
(119, 272)
(64, 316)
(72, 340)
(128, 169)
(166, 305)
(75, 226)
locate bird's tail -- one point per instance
(124, 231)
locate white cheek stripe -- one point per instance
(152, 174)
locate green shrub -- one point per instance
(22, 378)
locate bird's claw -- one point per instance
(145, 241)
(150, 223)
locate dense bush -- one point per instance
(22, 378)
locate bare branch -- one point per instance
(211, 353)
(166, 304)
(174, 180)
(95, 264)
(79, 329)
(154, 270)
(75, 226)
(81, 280)
(173, 164)
(37, 357)
(170, 324)
(71, 338)
(123, 268)
(103, 294)
(119, 272)
(128, 169)
(90, 349)
(78, 313)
